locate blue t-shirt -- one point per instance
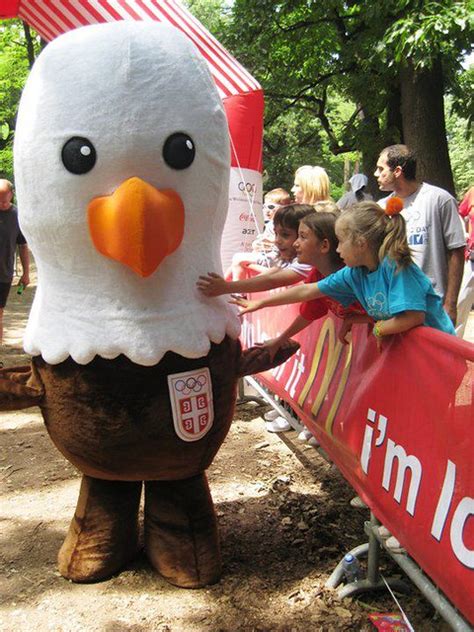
(387, 291)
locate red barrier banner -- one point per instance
(399, 426)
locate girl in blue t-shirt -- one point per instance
(379, 273)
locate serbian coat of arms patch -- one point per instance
(191, 402)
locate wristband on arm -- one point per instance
(377, 330)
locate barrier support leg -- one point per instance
(411, 569)
(242, 398)
(372, 581)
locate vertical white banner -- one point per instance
(244, 217)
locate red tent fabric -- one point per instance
(9, 8)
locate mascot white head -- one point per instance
(121, 169)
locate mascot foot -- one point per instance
(103, 535)
(181, 538)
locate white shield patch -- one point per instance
(191, 402)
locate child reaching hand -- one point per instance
(286, 271)
(317, 246)
(379, 273)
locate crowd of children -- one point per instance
(379, 274)
(355, 263)
(311, 185)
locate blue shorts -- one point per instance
(4, 291)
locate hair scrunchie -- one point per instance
(393, 206)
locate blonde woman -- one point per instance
(311, 185)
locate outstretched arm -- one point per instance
(214, 285)
(401, 322)
(296, 326)
(297, 294)
(397, 324)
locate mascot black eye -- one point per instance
(78, 155)
(179, 151)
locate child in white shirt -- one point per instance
(264, 253)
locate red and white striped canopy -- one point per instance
(50, 18)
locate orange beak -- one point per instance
(137, 225)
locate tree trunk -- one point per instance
(370, 148)
(347, 173)
(424, 127)
(394, 131)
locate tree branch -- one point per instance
(30, 49)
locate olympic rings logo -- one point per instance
(377, 304)
(191, 384)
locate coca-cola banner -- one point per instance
(244, 217)
(399, 424)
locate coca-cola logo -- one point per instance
(249, 187)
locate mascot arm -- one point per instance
(257, 359)
(20, 387)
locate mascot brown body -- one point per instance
(121, 157)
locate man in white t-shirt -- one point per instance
(434, 230)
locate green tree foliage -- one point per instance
(304, 55)
(430, 29)
(330, 71)
(213, 14)
(293, 135)
(14, 67)
(462, 93)
(461, 149)
(311, 55)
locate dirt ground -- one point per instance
(284, 519)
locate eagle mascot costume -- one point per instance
(122, 167)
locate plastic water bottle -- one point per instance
(351, 568)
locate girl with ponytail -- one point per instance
(379, 274)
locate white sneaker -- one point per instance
(358, 503)
(394, 545)
(384, 533)
(304, 435)
(280, 424)
(313, 441)
(271, 415)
